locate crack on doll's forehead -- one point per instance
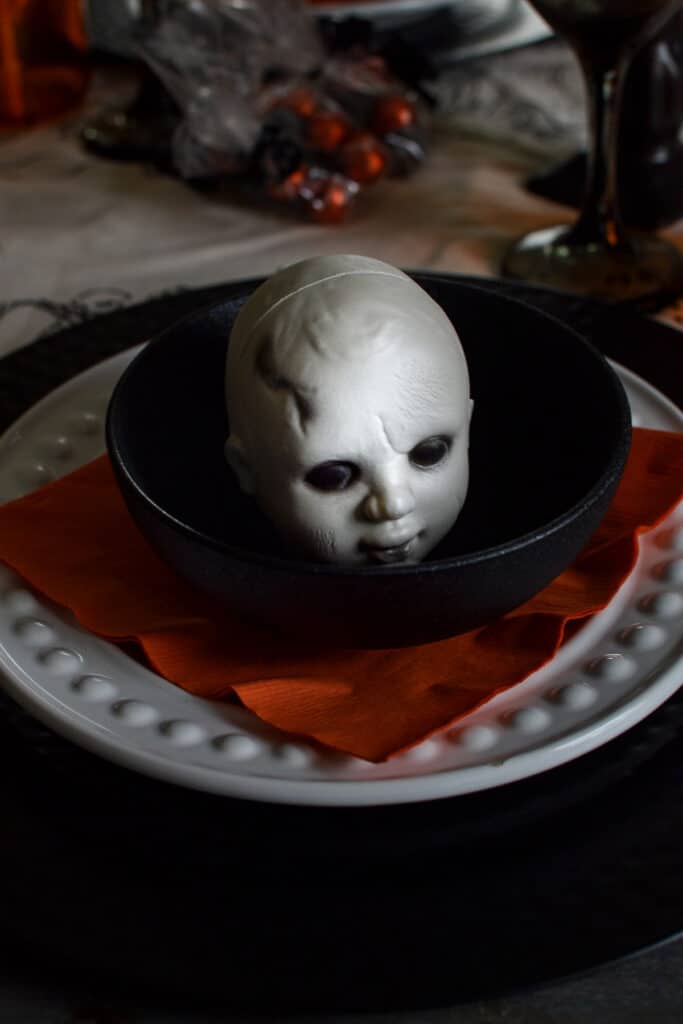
(384, 430)
(276, 380)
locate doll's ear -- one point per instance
(237, 460)
(469, 416)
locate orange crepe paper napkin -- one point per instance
(74, 541)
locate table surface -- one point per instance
(83, 236)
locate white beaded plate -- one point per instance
(487, 27)
(381, 9)
(485, 12)
(626, 662)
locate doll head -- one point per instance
(348, 400)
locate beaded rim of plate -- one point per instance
(621, 666)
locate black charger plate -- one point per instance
(189, 898)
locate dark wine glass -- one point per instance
(598, 255)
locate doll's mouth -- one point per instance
(386, 554)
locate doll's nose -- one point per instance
(388, 500)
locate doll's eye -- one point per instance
(332, 476)
(430, 452)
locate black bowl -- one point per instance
(550, 436)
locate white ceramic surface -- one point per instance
(618, 669)
(392, 9)
(523, 28)
(489, 26)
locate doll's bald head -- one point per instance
(345, 363)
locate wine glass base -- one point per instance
(646, 270)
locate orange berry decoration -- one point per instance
(332, 206)
(391, 113)
(326, 195)
(287, 191)
(364, 158)
(302, 101)
(326, 130)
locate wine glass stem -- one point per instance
(600, 219)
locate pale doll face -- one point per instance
(358, 453)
